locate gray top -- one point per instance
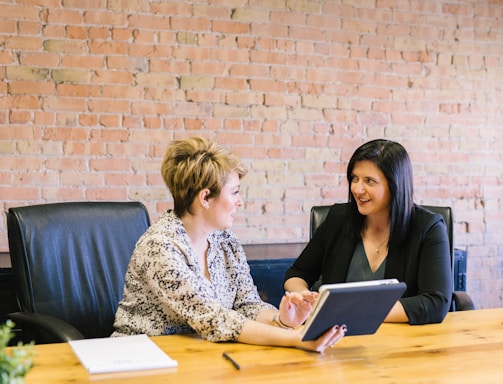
(359, 268)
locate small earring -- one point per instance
(206, 205)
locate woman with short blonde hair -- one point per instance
(189, 273)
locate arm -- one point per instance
(328, 251)
(294, 307)
(260, 328)
(429, 272)
(269, 328)
(307, 268)
(273, 327)
(174, 295)
(397, 314)
(296, 284)
(217, 323)
(257, 333)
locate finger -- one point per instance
(308, 296)
(338, 335)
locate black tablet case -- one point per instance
(362, 309)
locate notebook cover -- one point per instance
(118, 354)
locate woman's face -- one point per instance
(224, 206)
(370, 189)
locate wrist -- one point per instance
(276, 320)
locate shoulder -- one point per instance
(339, 210)
(424, 220)
(168, 226)
(426, 216)
(339, 215)
(327, 220)
(225, 236)
(226, 239)
(168, 233)
(340, 207)
(230, 246)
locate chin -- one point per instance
(226, 225)
(363, 211)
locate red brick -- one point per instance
(63, 194)
(65, 134)
(92, 149)
(20, 194)
(72, 61)
(30, 87)
(110, 121)
(230, 27)
(44, 59)
(80, 90)
(21, 12)
(109, 106)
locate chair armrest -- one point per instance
(462, 301)
(60, 331)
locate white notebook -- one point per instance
(118, 354)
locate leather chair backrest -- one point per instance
(69, 259)
(318, 215)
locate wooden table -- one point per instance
(466, 348)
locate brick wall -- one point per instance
(92, 91)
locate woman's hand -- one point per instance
(295, 307)
(327, 340)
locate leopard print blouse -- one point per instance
(165, 291)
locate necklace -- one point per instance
(379, 247)
(365, 233)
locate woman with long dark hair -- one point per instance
(381, 233)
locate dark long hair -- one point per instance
(394, 162)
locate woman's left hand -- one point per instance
(295, 307)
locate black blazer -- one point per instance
(422, 261)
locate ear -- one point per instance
(203, 196)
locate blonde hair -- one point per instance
(193, 164)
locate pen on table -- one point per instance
(232, 361)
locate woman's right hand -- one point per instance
(327, 340)
(295, 307)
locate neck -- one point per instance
(197, 231)
(198, 234)
(375, 237)
(376, 226)
(376, 232)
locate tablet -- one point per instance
(362, 306)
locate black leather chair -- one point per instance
(461, 301)
(69, 261)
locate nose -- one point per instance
(358, 187)
(239, 201)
